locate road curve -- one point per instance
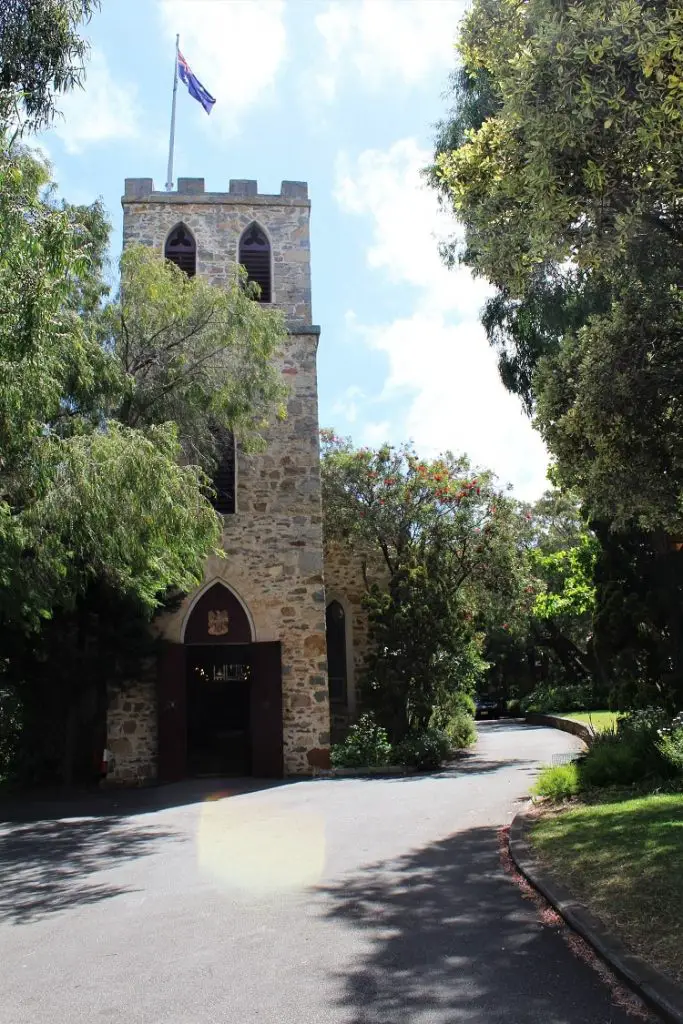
(341, 901)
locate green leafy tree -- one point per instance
(562, 614)
(568, 182)
(109, 421)
(638, 620)
(571, 208)
(85, 501)
(73, 483)
(193, 354)
(444, 560)
(551, 642)
(571, 177)
(111, 414)
(609, 405)
(42, 55)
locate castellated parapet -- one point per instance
(273, 542)
(217, 219)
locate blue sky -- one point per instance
(343, 95)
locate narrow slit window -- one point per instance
(181, 249)
(254, 256)
(224, 475)
(335, 622)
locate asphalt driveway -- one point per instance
(345, 901)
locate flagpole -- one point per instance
(171, 141)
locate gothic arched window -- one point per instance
(181, 249)
(335, 623)
(254, 255)
(224, 474)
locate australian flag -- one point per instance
(194, 86)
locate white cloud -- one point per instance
(374, 434)
(407, 224)
(381, 40)
(438, 355)
(456, 399)
(325, 87)
(347, 403)
(101, 111)
(234, 48)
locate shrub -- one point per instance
(455, 718)
(460, 731)
(621, 758)
(643, 721)
(671, 749)
(463, 703)
(559, 782)
(639, 750)
(423, 750)
(514, 707)
(458, 703)
(670, 744)
(366, 746)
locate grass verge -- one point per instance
(624, 859)
(598, 719)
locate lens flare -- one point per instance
(250, 845)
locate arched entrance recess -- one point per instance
(220, 695)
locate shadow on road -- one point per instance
(33, 806)
(45, 866)
(50, 844)
(449, 938)
(470, 764)
(475, 765)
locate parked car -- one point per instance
(487, 707)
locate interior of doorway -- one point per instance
(218, 710)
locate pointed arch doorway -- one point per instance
(220, 695)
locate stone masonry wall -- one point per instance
(273, 543)
(217, 219)
(132, 731)
(274, 562)
(344, 582)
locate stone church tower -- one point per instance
(241, 686)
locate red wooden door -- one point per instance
(266, 711)
(172, 713)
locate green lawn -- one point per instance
(624, 858)
(598, 719)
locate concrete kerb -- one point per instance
(654, 988)
(564, 724)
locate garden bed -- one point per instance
(623, 857)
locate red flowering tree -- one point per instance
(450, 543)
